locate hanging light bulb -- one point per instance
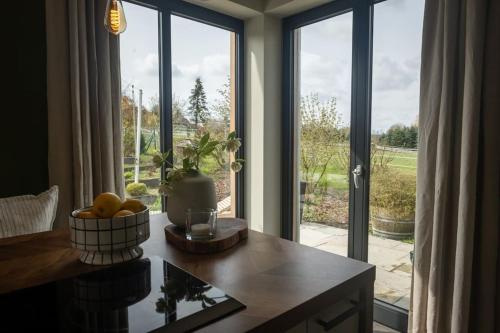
(114, 19)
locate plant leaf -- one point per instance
(204, 140)
(209, 300)
(167, 154)
(209, 148)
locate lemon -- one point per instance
(123, 212)
(106, 204)
(86, 215)
(133, 205)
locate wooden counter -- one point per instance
(282, 283)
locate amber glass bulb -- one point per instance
(114, 19)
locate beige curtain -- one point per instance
(83, 74)
(456, 286)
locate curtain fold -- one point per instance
(456, 283)
(84, 119)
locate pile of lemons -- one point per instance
(107, 205)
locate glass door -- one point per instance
(350, 109)
(394, 131)
(323, 116)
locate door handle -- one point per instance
(357, 172)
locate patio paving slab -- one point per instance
(392, 258)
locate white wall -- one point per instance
(263, 123)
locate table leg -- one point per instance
(366, 313)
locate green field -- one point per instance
(403, 162)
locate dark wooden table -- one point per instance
(281, 282)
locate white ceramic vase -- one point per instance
(194, 191)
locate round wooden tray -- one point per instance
(229, 232)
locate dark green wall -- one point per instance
(23, 103)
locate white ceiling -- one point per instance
(244, 9)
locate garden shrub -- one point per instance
(321, 135)
(392, 194)
(128, 175)
(137, 189)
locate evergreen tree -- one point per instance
(198, 103)
(400, 136)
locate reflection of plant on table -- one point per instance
(184, 288)
(193, 152)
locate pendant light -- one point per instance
(114, 19)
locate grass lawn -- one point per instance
(403, 162)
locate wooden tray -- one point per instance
(229, 232)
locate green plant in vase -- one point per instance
(185, 185)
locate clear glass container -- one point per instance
(201, 224)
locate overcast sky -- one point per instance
(326, 62)
(197, 50)
(202, 50)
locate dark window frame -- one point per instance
(360, 137)
(203, 15)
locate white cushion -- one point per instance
(28, 214)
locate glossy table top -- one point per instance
(280, 282)
(143, 295)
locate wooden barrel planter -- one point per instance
(397, 229)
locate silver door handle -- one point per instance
(357, 172)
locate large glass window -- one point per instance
(203, 98)
(140, 104)
(180, 80)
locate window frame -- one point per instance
(360, 136)
(196, 13)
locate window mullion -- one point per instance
(165, 58)
(360, 130)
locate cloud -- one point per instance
(213, 69)
(395, 91)
(149, 65)
(215, 64)
(324, 74)
(210, 65)
(400, 4)
(328, 76)
(181, 71)
(391, 74)
(338, 27)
